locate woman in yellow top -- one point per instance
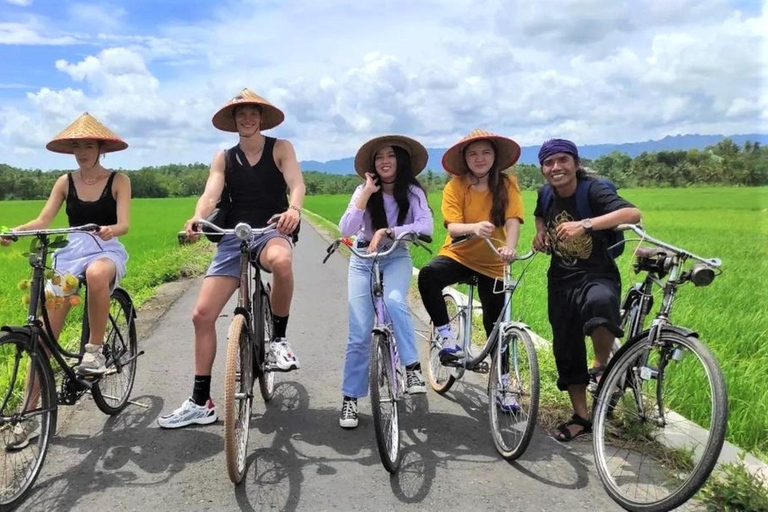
(482, 201)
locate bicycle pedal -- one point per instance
(481, 367)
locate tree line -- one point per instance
(724, 163)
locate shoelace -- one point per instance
(413, 379)
(348, 409)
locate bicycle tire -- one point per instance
(266, 378)
(238, 396)
(440, 377)
(113, 389)
(510, 439)
(13, 347)
(674, 459)
(381, 378)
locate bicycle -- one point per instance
(386, 372)
(635, 428)
(249, 355)
(30, 346)
(511, 432)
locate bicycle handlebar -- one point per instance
(407, 236)
(463, 238)
(242, 230)
(85, 228)
(645, 237)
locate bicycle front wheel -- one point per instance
(383, 404)
(25, 428)
(441, 378)
(113, 389)
(238, 396)
(648, 455)
(513, 394)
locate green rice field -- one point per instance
(731, 315)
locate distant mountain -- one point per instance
(529, 156)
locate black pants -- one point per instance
(575, 312)
(443, 271)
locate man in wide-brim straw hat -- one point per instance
(253, 178)
(485, 202)
(93, 195)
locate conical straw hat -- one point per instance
(271, 116)
(86, 127)
(364, 156)
(508, 151)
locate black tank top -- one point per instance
(102, 212)
(257, 192)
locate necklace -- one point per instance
(90, 182)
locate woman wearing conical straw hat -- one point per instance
(93, 195)
(256, 175)
(484, 201)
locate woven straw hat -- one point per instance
(508, 151)
(271, 116)
(366, 153)
(86, 127)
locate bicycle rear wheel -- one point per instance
(512, 430)
(441, 378)
(113, 389)
(383, 404)
(20, 463)
(266, 377)
(238, 396)
(648, 456)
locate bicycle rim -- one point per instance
(238, 396)
(113, 389)
(512, 431)
(19, 468)
(651, 458)
(440, 377)
(383, 405)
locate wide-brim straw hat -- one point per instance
(86, 127)
(367, 152)
(507, 151)
(271, 116)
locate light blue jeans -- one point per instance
(397, 269)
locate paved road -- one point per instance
(299, 457)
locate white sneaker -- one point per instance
(190, 413)
(23, 434)
(506, 400)
(348, 417)
(414, 382)
(93, 361)
(285, 359)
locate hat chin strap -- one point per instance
(480, 176)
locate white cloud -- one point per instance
(31, 33)
(23, 3)
(344, 71)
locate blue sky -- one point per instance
(344, 71)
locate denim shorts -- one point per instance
(227, 259)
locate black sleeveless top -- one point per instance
(257, 192)
(102, 212)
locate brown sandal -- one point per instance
(564, 435)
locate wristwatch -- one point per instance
(587, 225)
(389, 232)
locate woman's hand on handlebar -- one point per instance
(506, 253)
(376, 240)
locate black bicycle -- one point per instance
(249, 354)
(648, 456)
(25, 369)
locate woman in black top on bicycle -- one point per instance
(93, 195)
